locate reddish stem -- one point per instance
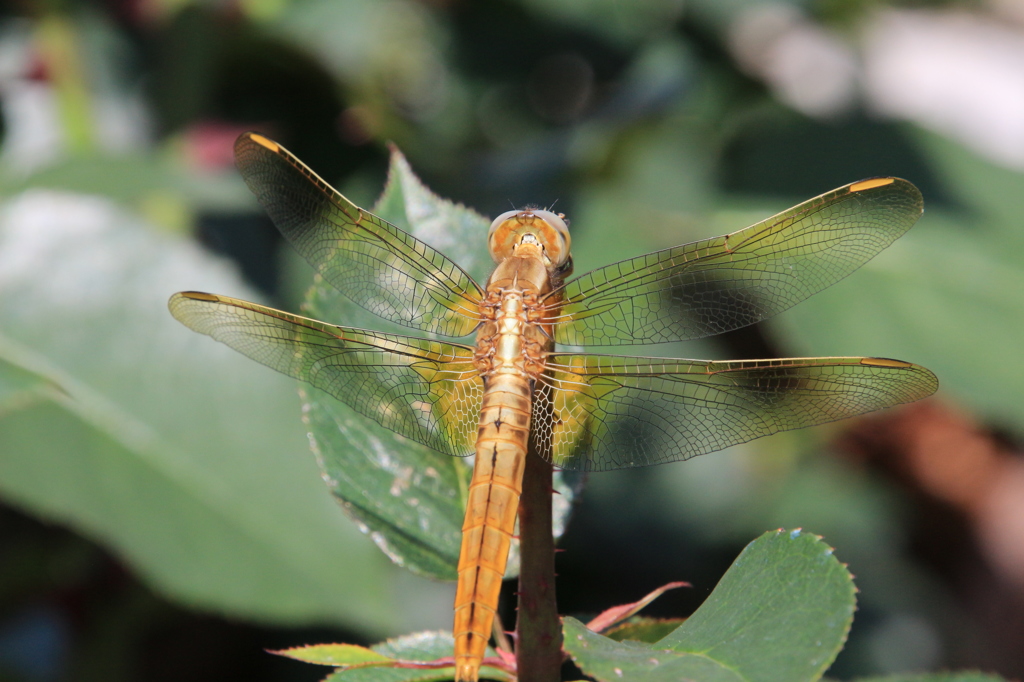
(538, 629)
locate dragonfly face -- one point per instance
(530, 226)
(514, 391)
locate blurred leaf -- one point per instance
(970, 676)
(625, 24)
(656, 198)
(781, 612)
(184, 458)
(334, 654)
(990, 193)
(18, 384)
(389, 55)
(135, 179)
(58, 45)
(423, 646)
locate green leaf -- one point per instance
(606, 659)
(966, 676)
(409, 498)
(456, 231)
(20, 385)
(182, 457)
(348, 655)
(990, 192)
(781, 612)
(137, 180)
(422, 647)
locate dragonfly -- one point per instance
(516, 390)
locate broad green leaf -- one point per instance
(182, 457)
(605, 659)
(966, 676)
(422, 647)
(410, 498)
(989, 194)
(138, 181)
(334, 654)
(19, 385)
(780, 613)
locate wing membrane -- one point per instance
(716, 285)
(611, 412)
(381, 268)
(428, 391)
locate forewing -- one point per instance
(716, 285)
(428, 391)
(383, 269)
(600, 412)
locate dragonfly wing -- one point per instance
(428, 391)
(611, 412)
(383, 269)
(716, 285)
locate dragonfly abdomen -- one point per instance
(490, 516)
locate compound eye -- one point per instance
(554, 220)
(557, 250)
(496, 223)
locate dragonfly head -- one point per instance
(513, 229)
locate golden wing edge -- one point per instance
(462, 292)
(576, 291)
(929, 382)
(174, 303)
(454, 364)
(920, 383)
(868, 187)
(720, 366)
(312, 324)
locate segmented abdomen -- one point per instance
(490, 515)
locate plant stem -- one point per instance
(538, 630)
(59, 47)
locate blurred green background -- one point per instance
(164, 517)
